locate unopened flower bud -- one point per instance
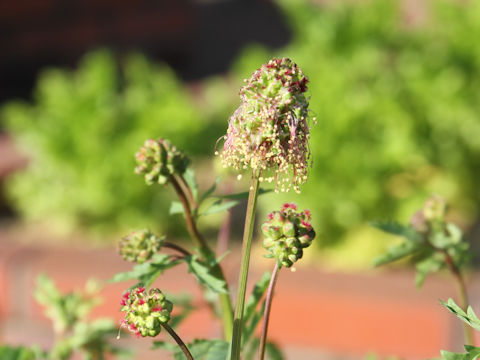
(270, 130)
(158, 160)
(435, 208)
(145, 312)
(139, 246)
(292, 232)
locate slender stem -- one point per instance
(225, 303)
(191, 225)
(187, 191)
(242, 282)
(176, 247)
(268, 308)
(462, 294)
(179, 341)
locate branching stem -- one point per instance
(225, 303)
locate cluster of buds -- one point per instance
(145, 312)
(269, 130)
(432, 215)
(287, 233)
(158, 160)
(139, 246)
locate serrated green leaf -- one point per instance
(429, 264)
(468, 317)
(204, 350)
(189, 177)
(210, 190)
(397, 252)
(176, 208)
(398, 229)
(146, 273)
(217, 207)
(473, 353)
(204, 274)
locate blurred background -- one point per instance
(394, 86)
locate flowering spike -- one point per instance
(287, 233)
(158, 160)
(270, 130)
(139, 246)
(146, 312)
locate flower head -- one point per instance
(139, 246)
(158, 160)
(287, 233)
(145, 312)
(270, 130)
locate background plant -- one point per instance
(75, 333)
(80, 133)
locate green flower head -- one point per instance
(139, 246)
(158, 160)
(287, 233)
(145, 312)
(270, 128)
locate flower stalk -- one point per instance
(179, 341)
(245, 259)
(268, 308)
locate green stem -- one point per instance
(462, 295)
(179, 341)
(225, 303)
(242, 282)
(266, 314)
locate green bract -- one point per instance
(139, 246)
(269, 130)
(286, 233)
(158, 160)
(145, 312)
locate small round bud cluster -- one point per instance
(139, 246)
(431, 215)
(287, 233)
(158, 160)
(145, 312)
(270, 130)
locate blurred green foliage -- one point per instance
(397, 105)
(81, 134)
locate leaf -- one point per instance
(397, 252)
(256, 295)
(205, 350)
(205, 275)
(218, 206)
(469, 317)
(397, 229)
(427, 265)
(210, 190)
(273, 351)
(243, 195)
(146, 273)
(176, 208)
(189, 177)
(164, 346)
(473, 353)
(19, 353)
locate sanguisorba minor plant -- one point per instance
(268, 137)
